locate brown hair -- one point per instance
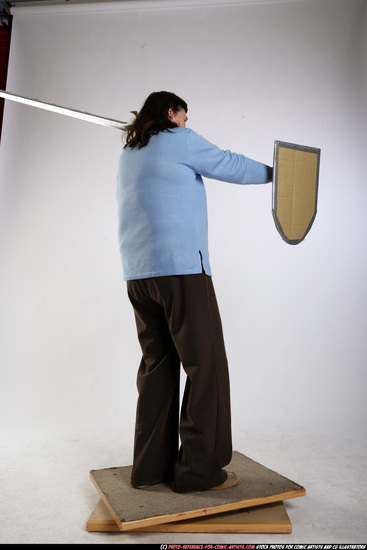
(153, 118)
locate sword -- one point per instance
(96, 119)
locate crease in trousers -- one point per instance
(178, 322)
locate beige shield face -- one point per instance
(295, 188)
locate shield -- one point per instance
(295, 188)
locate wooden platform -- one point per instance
(133, 509)
(268, 518)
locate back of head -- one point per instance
(153, 118)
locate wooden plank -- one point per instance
(133, 509)
(269, 518)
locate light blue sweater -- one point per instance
(162, 209)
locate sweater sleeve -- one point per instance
(210, 161)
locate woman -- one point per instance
(163, 239)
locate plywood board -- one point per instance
(269, 518)
(132, 508)
(295, 189)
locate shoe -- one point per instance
(146, 486)
(231, 481)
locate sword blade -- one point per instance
(96, 119)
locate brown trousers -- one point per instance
(178, 322)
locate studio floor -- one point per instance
(47, 497)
